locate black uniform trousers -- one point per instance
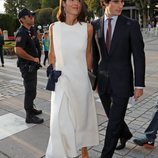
(45, 58)
(30, 85)
(1, 54)
(115, 109)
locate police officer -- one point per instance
(28, 63)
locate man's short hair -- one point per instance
(106, 1)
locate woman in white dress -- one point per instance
(73, 123)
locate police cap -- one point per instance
(25, 12)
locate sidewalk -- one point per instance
(20, 140)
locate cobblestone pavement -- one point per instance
(8, 89)
(30, 141)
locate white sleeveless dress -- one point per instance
(73, 122)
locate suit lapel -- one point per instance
(116, 34)
(102, 33)
(102, 27)
(99, 36)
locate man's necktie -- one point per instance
(108, 34)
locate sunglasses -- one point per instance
(30, 16)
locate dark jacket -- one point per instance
(117, 64)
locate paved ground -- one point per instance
(19, 140)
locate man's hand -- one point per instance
(138, 93)
(36, 60)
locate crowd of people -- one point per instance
(105, 47)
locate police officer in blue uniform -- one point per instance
(28, 63)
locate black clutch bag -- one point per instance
(92, 79)
(53, 76)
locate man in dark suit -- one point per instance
(117, 39)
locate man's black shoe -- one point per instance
(144, 142)
(123, 142)
(34, 119)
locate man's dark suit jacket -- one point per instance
(117, 64)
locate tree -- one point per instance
(10, 24)
(55, 3)
(49, 3)
(13, 6)
(94, 8)
(143, 9)
(9, 6)
(54, 14)
(44, 16)
(46, 3)
(33, 4)
(142, 5)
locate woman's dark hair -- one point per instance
(61, 13)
